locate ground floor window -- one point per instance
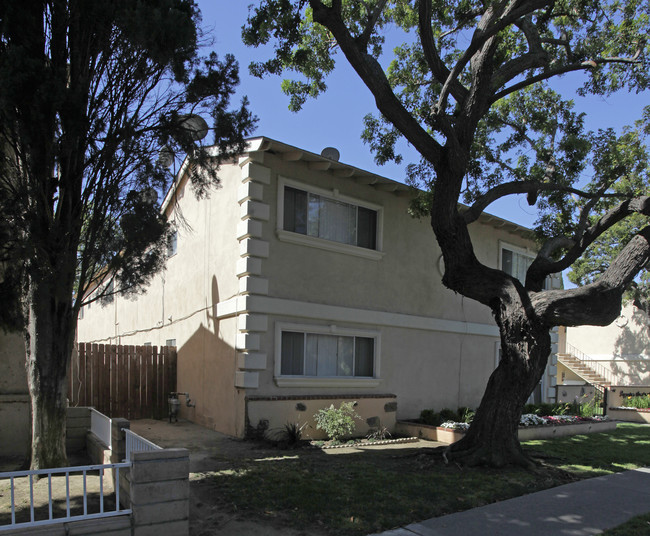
(324, 352)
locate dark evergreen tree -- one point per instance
(91, 92)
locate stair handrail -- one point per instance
(590, 362)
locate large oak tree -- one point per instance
(471, 89)
(91, 93)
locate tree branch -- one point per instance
(487, 28)
(524, 187)
(438, 68)
(375, 79)
(364, 38)
(544, 265)
(547, 74)
(536, 57)
(598, 303)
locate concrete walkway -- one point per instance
(583, 508)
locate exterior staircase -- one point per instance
(585, 371)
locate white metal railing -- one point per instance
(101, 426)
(590, 362)
(69, 515)
(136, 443)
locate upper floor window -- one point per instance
(319, 216)
(515, 262)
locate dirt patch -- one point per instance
(212, 453)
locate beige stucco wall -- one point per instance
(273, 415)
(566, 376)
(623, 347)
(618, 394)
(14, 396)
(179, 304)
(425, 369)
(233, 280)
(405, 280)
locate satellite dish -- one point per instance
(194, 125)
(331, 153)
(166, 157)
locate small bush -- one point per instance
(637, 401)
(380, 433)
(290, 435)
(466, 415)
(547, 410)
(337, 423)
(564, 408)
(530, 409)
(449, 415)
(430, 417)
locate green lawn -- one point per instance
(361, 493)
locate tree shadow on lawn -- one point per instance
(356, 492)
(59, 488)
(590, 455)
(59, 503)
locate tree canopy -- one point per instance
(473, 88)
(91, 95)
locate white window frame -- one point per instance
(325, 381)
(528, 252)
(322, 243)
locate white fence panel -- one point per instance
(137, 443)
(82, 471)
(100, 425)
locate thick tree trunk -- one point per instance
(48, 341)
(493, 435)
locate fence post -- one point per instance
(160, 492)
(118, 454)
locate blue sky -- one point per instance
(335, 118)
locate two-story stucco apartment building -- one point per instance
(301, 282)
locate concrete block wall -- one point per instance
(160, 492)
(112, 526)
(156, 487)
(77, 424)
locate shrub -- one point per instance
(430, 417)
(546, 410)
(290, 435)
(466, 415)
(337, 422)
(449, 415)
(637, 401)
(564, 408)
(379, 434)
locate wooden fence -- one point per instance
(132, 382)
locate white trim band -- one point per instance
(293, 308)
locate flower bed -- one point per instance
(354, 443)
(531, 427)
(626, 413)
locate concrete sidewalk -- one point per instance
(583, 508)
